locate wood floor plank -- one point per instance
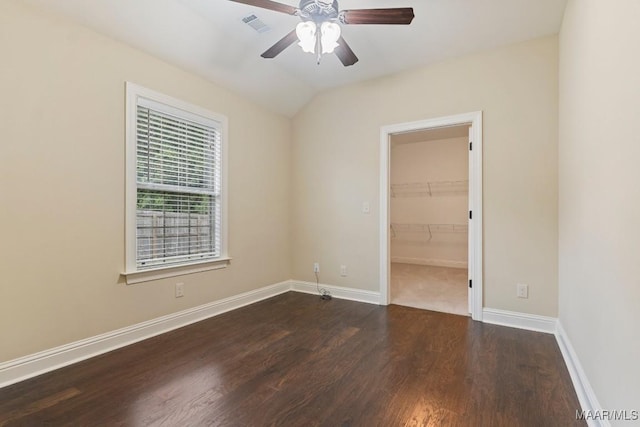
(296, 360)
(39, 405)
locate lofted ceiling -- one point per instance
(209, 38)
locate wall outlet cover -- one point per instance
(179, 290)
(522, 290)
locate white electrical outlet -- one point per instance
(179, 290)
(522, 290)
(316, 267)
(366, 208)
(343, 270)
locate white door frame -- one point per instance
(475, 201)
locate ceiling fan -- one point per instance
(320, 32)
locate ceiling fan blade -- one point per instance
(397, 16)
(344, 53)
(280, 45)
(271, 5)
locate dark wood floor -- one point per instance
(295, 360)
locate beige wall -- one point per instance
(336, 167)
(62, 178)
(599, 207)
(62, 163)
(62, 182)
(443, 160)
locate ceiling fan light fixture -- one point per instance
(319, 33)
(306, 32)
(330, 34)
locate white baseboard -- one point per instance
(32, 365)
(351, 294)
(35, 364)
(431, 262)
(586, 395)
(531, 322)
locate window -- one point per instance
(175, 186)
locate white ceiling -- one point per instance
(209, 38)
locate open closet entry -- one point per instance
(431, 236)
(429, 182)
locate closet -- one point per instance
(429, 186)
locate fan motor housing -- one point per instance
(318, 10)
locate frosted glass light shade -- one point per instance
(330, 33)
(306, 32)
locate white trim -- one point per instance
(431, 262)
(42, 362)
(531, 322)
(586, 395)
(130, 176)
(385, 217)
(32, 365)
(475, 201)
(339, 292)
(135, 93)
(157, 273)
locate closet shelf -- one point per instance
(430, 188)
(428, 229)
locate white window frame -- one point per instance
(132, 273)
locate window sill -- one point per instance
(157, 273)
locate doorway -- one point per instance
(428, 209)
(431, 214)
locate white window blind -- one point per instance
(178, 179)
